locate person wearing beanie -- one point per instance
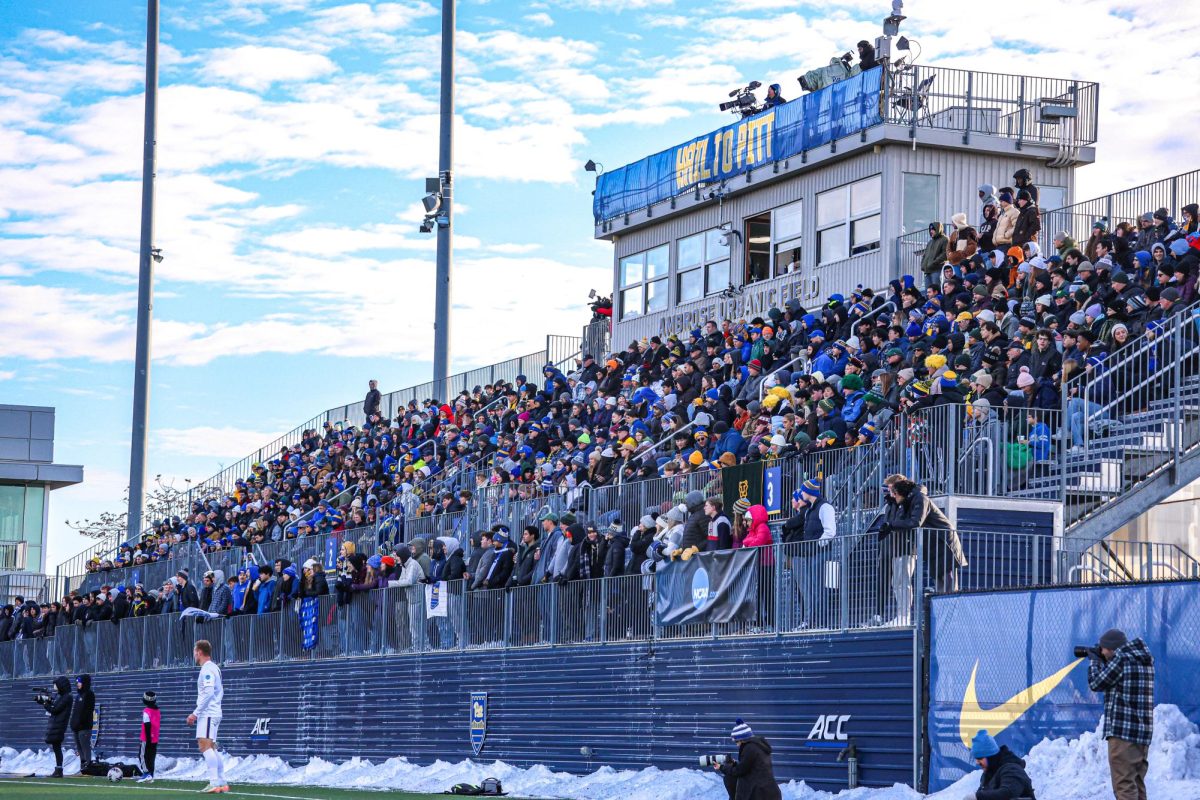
(1004, 776)
(695, 529)
(908, 512)
(750, 776)
(1006, 222)
(1124, 671)
(807, 534)
(151, 724)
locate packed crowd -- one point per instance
(999, 327)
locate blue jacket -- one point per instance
(263, 595)
(852, 410)
(732, 442)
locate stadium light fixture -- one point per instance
(157, 254)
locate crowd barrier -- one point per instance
(858, 581)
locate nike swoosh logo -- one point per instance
(994, 720)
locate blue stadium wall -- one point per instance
(634, 705)
(1012, 641)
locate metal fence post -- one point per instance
(777, 600)
(970, 103)
(508, 614)
(464, 633)
(1177, 424)
(1021, 113)
(605, 588)
(655, 631)
(843, 580)
(552, 587)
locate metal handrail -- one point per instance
(654, 447)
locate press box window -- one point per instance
(703, 264)
(644, 282)
(848, 222)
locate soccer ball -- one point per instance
(115, 774)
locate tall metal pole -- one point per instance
(141, 374)
(441, 307)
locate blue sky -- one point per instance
(294, 138)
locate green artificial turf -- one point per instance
(101, 789)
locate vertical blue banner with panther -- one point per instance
(709, 587)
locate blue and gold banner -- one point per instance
(1003, 662)
(810, 121)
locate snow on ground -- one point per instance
(1062, 769)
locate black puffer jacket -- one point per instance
(60, 711)
(85, 705)
(695, 530)
(1005, 778)
(752, 777)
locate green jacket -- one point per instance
(935, 252)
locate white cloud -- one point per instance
(257, 67)
(228, 443)
(541, 18)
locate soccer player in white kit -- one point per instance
(207, 716)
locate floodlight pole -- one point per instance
(441, 307)
(145, 301)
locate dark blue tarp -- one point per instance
(815, 119)
(709, 587)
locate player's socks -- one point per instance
(220, 768)
(213, 762)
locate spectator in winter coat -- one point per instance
(1028, 220)
(934, 255)
(695, 530)
(963, 242)
(408, 570)
(751, 776)
(222, 594)
(912, 510)
(525, 563)
(58, 710)
(312, 583)
(1006, 223)
(501, 567)
(616, 545)
(263, 590)
(720, 531)
(371, 401)
(186, 591)
(1004, 776)
(1124, 671)
(82, 712)
(758, 533)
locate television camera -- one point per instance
(744, 102)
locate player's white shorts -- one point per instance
(206, 727)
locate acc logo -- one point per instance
(478, 720)
(700, 588)
(261, 732)
(830, 727)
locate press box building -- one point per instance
(829, 191)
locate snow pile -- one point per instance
(1062, 769)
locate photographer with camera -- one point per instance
(58, 708)
(751, 776)
(1124, 671)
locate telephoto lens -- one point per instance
(1081, 651)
